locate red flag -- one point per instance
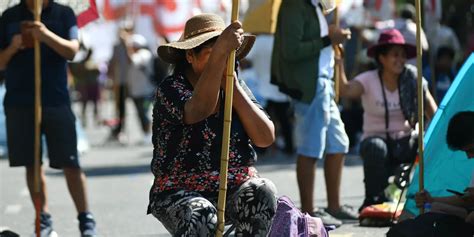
(88, 15)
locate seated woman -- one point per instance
(187, 136)
(389, 100)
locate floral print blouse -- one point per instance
(187, 157)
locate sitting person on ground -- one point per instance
(187, 136)
(450, 215)
(460, 136)
(388, 96)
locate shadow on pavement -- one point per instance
(109, 170)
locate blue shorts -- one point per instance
(318, 126)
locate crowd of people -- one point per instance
(290, 98)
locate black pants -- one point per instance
(121, 96)
(142, 104)
(280, 112)
(377, 169)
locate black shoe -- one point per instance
(327, 219)
(87, 224)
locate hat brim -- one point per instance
(170, 52)
(409, 49)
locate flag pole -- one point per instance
(226, 132)
(420, 98)
(37, 159)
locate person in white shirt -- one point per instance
(139, 83)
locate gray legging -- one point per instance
(377, 168)
(250, 208)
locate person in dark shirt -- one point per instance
(187, 137)
(57, 33)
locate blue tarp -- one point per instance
(445, 168)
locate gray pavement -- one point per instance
(119, 180)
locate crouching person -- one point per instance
(187, 137)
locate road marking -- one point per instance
(13, 209)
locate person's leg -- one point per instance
(20, 136)
(121, 99)
(333, 165)
(142, 105)
(76, 183)
(305, 174)
(251, 207)
(337, 145)
(373, 151)
(30, 181)
(310, 139)
(60, 131)
(185, 213)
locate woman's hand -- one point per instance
(230, 39)
(422, 197)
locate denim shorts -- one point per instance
(318, 125)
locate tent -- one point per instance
(445, 168)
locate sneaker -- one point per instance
(327, 219)
(87, 224)
(345, 212)
(46, 226)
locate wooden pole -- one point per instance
(226, 132)
(337, 55)
(420, 98)
(37, 146)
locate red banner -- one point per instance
(88, 15)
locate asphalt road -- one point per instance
(118, 180)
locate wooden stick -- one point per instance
(420, 99)
(337, 54)
(38, 4)
(226, 132)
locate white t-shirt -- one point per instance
(326, 56)
(374, 108)
(138, 80)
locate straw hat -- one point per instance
(198, 30)
(392, 37)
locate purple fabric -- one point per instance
(290, 222)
